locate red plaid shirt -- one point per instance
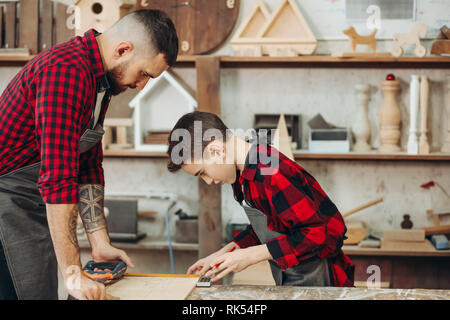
(44, 111)
(297, 207)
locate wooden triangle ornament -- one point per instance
(282, 140)
(286, 33)
(245, 42)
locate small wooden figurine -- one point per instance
(441, 45)
(361, 127)
(418, 31)
(356, 39)
(390, 116)
(116, 133)
(424, 147)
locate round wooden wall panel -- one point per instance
(202, 25)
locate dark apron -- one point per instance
(311, 273)
(24, 232)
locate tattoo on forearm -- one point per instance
(91, 207)
(73, 227)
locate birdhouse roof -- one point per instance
(152, 84)
(118, 2)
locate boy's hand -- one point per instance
(204, 264)
(237, 261)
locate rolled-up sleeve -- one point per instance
(61, 93)
(247, 238)
(91, 168)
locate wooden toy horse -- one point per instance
(417, 32)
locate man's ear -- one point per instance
(122, 49)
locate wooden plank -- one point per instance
(210, 197)
(29, 25)
(152, 288)
(46, 39)
(10, 24)
(63, 33)
(407, 245)
(437, 230)
(1, 26)
(404, 235)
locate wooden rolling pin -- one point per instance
(364, 206)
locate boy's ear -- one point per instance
(215, 149)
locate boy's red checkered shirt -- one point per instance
(297, 207)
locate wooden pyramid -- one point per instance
(282, 140)
(286, 33)
(245, 42)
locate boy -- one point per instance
(294, 225)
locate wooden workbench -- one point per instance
(218, 292)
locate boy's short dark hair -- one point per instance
(186, 122)
(162, 32)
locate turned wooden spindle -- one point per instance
(390, 116)
(413, 142)
(361, 126)
(446, 145)
(424, 147)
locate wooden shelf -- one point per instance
(336, 62)
(353, 250)
(306, 156)
(371, 156)
(133, 154)
(301, 62)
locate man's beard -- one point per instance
(113, 76)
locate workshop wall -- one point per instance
(329, 92)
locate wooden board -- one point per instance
(29, 25)
(153, 287)
(63, 33)
(1, 27)
(10, 25)
(415, 235)
(407, 245)
(46, 39)
(202, 26)
(257, 274)
(209, 214)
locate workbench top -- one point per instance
(245, 292)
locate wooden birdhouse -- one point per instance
(157, 108)
(286, 33)
(245, 42)
(100, 14)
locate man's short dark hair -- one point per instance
(162, 32)
(186, 122)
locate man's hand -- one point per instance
(108, 253)
(237, 261)
(82, 288)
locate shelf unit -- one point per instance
(302, 61)
(208, 94)
(304, 155)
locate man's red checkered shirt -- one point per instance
(297, 207)
(44, 111)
